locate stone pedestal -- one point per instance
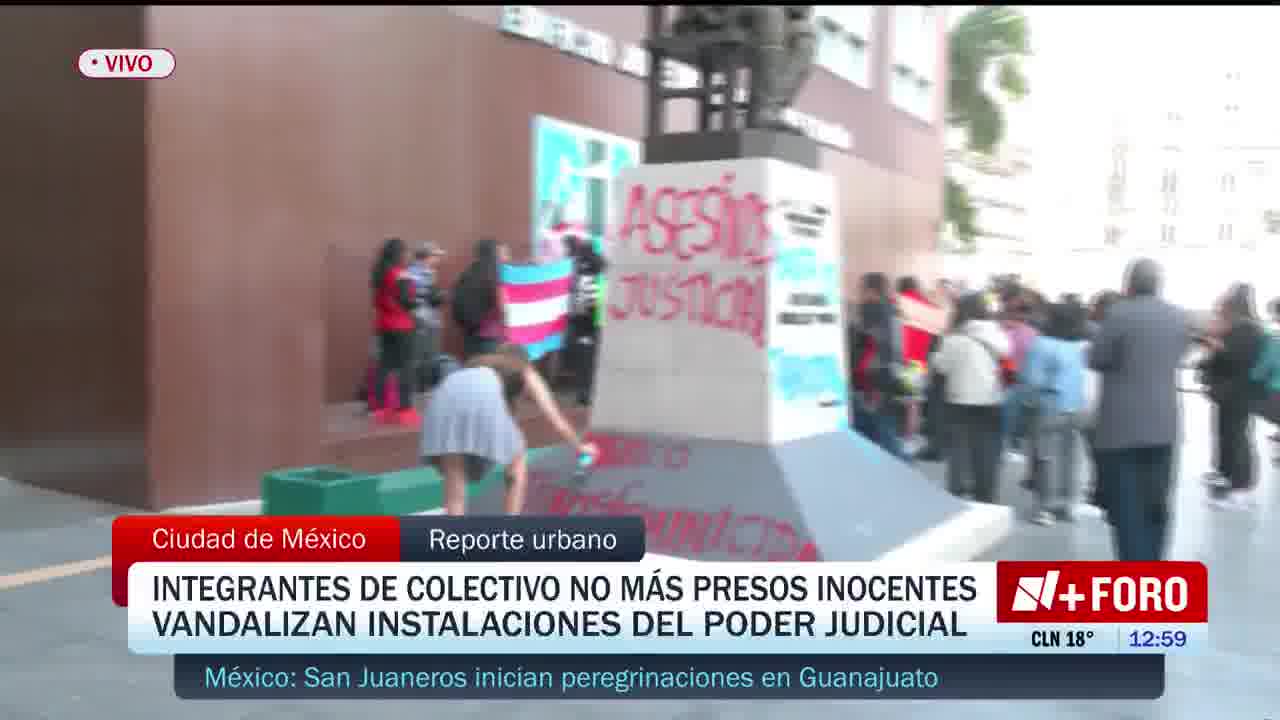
(692, 147)
(721, 401)
(724, 318)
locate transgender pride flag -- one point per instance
(537, 301)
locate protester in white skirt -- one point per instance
(469, 426)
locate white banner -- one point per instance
(930, 318)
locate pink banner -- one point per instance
(923, 316)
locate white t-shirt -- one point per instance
(969, 359)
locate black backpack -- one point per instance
(472, 300)
(443, 366)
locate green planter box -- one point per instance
(328, 490)
(410, 491)
(420, 489)
(322, 490)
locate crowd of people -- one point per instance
(469, 427)
(1005, 376)
(410, 306)
(1016, 377)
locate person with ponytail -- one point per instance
(478, 307)
(394, 298)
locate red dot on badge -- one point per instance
(93, 62)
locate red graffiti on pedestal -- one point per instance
(680, 531)
(617, 451)
(737, 303)
(684, 225)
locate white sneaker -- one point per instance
(1244, 499)
(1043, 518)
(1085, 510)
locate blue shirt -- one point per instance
(1056, 365)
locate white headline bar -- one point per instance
(726, 608)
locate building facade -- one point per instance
(1194, 178)
(1000, 190)
(220, 224)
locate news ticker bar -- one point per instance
(669, 677)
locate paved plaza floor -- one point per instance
(63, 649)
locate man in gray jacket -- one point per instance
(1138, 352)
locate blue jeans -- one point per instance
(1009, 415)
(1052, 450)
(879, 425)
(1134, 485)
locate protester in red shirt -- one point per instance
(394, 298)
(917, 342)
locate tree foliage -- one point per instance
(959, 211)
(984, 49)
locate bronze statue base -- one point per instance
(787, 146)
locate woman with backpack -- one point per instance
(477, 300)
(1052, 395)
(970, 359)
(470, 425)
(1235, 341)
(876, 366)
(394, 298)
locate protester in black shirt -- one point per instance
(584, 328)
(1235, 341)
(877, 361)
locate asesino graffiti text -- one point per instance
(684, 224)
(676, 530)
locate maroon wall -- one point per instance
(287, 144)
(72, 383)
(493, 85)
